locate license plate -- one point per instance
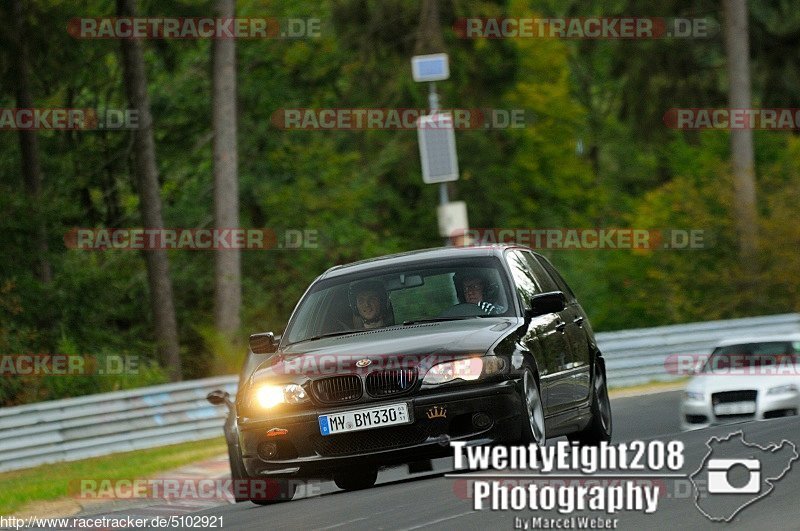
(364, 419)
(735, 408)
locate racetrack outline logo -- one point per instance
(768, 479)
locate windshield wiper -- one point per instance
(330, 334)
(405, 323)
(436, 320)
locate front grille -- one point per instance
(338, 389)
(727, 397)
(733, 396)
(370, 440)
(391, 381)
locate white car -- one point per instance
(748, 378)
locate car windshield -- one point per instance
(748, 355)
(422, 291)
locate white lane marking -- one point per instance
(438, 521)
(344, 523)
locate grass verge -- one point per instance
(50, 482)
(652, 387)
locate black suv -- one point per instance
(385, 361)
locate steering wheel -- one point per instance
(463, 309)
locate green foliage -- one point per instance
(594, 153)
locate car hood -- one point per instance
(420, 345)
(712, 383)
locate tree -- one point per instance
(158, 279)
(227, 263)
(737, 48)
(28, 142)
(429, 33)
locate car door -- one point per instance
(545, 336)
(564, 391)
(578, 334)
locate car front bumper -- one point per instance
(695, 414)
(303, 452)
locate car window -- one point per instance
(431, 298)
(770, 349)
(543, 278)
(524, 280)
(746, 355)
(562, 284)
(475, 287)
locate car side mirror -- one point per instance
(263, 343)
(219, 398)
(544, 303)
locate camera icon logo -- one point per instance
(718, 482)
(736, 473)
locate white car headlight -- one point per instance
(468, 369)
(782, 389)
(268, 396)
(694, 395)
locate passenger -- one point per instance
(472, 287)
(370, 305)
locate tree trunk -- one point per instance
(146, 170)
(737, 48)
(29, 143)
(227, 273)
(429, 32)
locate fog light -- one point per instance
(267, 450)
(481, 421)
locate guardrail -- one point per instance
(103, 424)
(640, 355)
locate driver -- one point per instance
(472, 287)
(370, 304)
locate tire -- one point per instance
(356, 480)
(533, 426)
(600, 427)
(238, 474)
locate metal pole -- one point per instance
(433, 97)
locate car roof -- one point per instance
(437, 253)
(759, 339)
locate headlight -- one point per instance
(468, 369)
(782, 389)
(269, 396)
(694, 395)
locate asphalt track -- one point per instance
(432, 501)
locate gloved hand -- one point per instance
(487, 307)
